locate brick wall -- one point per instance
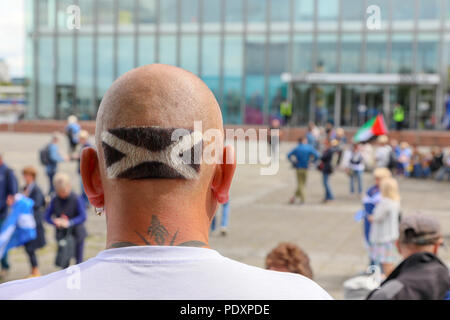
(418, 137)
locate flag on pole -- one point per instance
(374, 127)
(19, 227)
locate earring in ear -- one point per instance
(99, 211)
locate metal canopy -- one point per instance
(363, 78)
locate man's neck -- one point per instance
(156, 230)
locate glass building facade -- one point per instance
(241, 49)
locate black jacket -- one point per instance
(38, 211)
(422, 276)
(327, 158)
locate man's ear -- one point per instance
(224, 175)
(90, 174)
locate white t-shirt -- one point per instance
(164, 272)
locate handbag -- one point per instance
(66, 249)
(321, 166)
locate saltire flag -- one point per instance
(374, 127)
(19, 227)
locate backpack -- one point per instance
(392, 161)
(44, 155)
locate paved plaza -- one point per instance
(260, 216)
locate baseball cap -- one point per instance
(419, 229)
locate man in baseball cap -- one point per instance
(421, 275)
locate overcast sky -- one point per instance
(12, 35)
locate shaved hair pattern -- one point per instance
(152, 153)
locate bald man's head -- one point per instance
(145, 123)
(152, 170)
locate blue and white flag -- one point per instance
(19, 227)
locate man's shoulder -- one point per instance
(274, 284)
(43, 287)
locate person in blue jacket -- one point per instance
(300, 157)
(55, 157)
(8, 188)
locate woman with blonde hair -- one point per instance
(385, 223)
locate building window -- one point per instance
(254, 79)
(257, 15)
(353, 13)
(65, 60)
(189, 53)
(168, 49)
(429, 14)
(351, 53)
(326, 53)
(327, 14)
(232, 79)
(403, 14)
(46, 20)
(105, 13)
(189, 15)
(147, 15)
(125, 54)
(402, 53)
(45, 78)
(87, 15)
(427, 53)
(303, 54)
(85, 83)
(211, 62)
(278, 64)
(212, 10)
(280, 16)
(105, 63)
(146, 54)
(168, 15)
(233, 15)
(125, 16)
(376, 53)
(304, 14)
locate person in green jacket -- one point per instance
(399, 116)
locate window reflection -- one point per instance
(327, 14)
(45, 78)
(351, 53)
(401, 55)
(376, 53)
(168, 49)
(257, 11)
(189, 53)
(254, 82)
(146, 54)
(326, 53)
(168, 15)
(85, 82)
(304, 14)
(211, 62)
(232, 79)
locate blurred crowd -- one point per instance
(386, 228)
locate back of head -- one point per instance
(150, 132)
(419, 229)
(289, 257)
(381, 173)
(389, 189)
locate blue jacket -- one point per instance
(302, 154)
(55, 157)
(8, 186)
(370, 200)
